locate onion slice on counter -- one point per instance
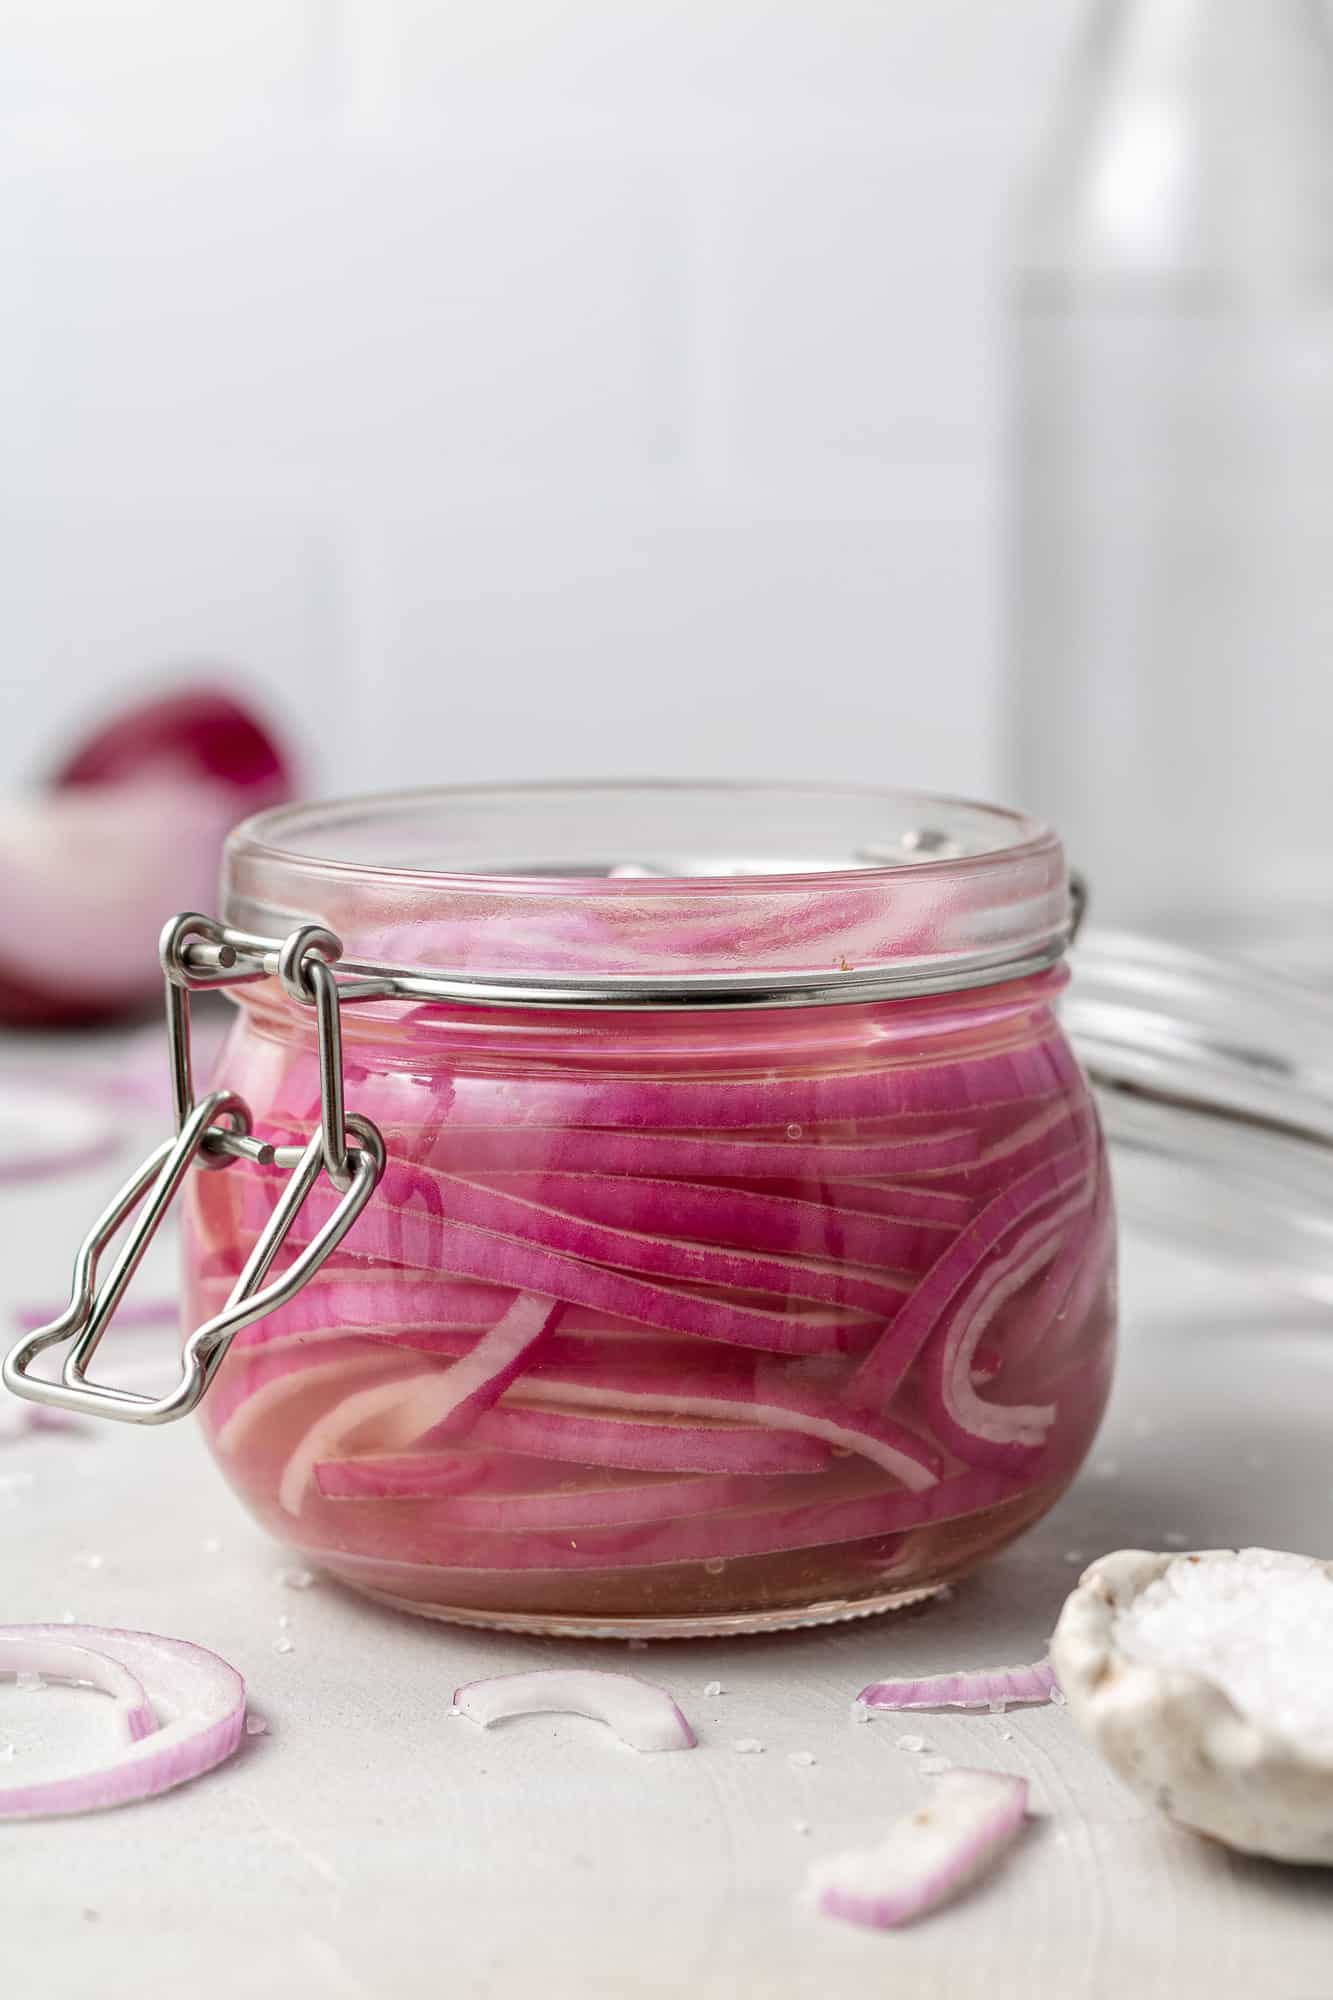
(641, 1714)
(203, 1698)
(61, 1660)
(982, 1689)
(928, 1856)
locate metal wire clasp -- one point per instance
(213, 1133)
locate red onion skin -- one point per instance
(210, 762)
(760, 1315)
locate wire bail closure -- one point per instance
(213, 1133)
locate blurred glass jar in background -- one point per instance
(1172, 702)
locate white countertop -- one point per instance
(371, 1846)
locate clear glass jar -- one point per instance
(766, 1279)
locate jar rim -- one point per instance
(661, 880)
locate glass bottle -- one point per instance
(1171, 700)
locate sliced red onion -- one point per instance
(987, 1687)
(881, 1373)
(929, 1856)
(423, 1241)
(642, 1715)
(481, 1377)
(629, 1504)
(29, 1652)
(728, 1216)
(988, 1433)
(764, 1401)
(202, 1697)
(1024, 1072)
(429, 1208)
(621, 1442)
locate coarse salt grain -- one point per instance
(296, 1579)
(800, 1826)
(800, 1757)
(211, 1545)
(89, 1559)
(934, 1766)
(255, 1725)
(6, 1753)
(860, 1712)
(748, 1746)
(1074, 1556)
(1174, 1539)
(714, 1687)
(912, 1743)
(29, 1683)
(283, 1645)
(1259, 1628)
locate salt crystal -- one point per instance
(714, 1687)
(29, 1683)
(1174, 1539)
(68, 1618)
(6, 1753)
(860, 1712)
(1057, 1699)
(1259, 1627)
(749, 1746)
(999, 1707)
(16, 1482)
(255, 1725)
(800, 1826)
(296, 1579)
(1006, 1736)
(638, 1645)
(1074, 1556)
(933, 1766)
(912, 1743)
(284, 1620)
(713, 1567)
(89, 1559)
(283, 1645)
(793, 1131)
(800, 1757)
(1108, 1469)
(212, 1545)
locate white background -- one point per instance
(517, 386)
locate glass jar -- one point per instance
(744, 1255)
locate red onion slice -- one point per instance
(641, 1714)
(984, 1688)
(27, 1652)
(203, 1698)
(1021, 1202)
(929, 1855)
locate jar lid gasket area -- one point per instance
(662, 894)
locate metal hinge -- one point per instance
(214, 1132)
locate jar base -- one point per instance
(741, 1624)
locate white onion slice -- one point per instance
(927, 1857)
(641, 1714)
(987, 1688)
(203, 1698)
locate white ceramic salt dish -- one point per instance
(1176, 1737)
